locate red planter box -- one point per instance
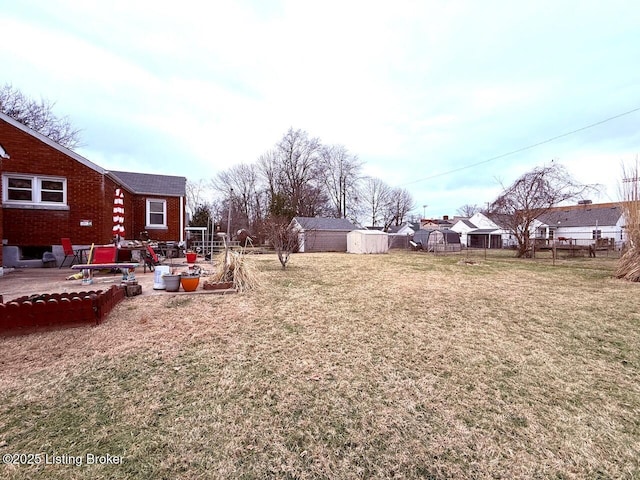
(56, 309)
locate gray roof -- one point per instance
(423, 235)
(583, 215)
(320, 223)
(467, 222)
(501, 219)
(413, 225)
(151, 184)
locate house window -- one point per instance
(156, 213)
(596, 234)
(34, 190)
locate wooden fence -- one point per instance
(58, 309)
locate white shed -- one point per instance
(367, 241)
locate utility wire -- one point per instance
(442, 174)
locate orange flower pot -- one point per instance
(189, 284)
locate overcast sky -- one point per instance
(416, 89)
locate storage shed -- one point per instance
(367, 241)
(317, 234)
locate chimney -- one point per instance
(445, 217)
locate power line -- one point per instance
(442, 174)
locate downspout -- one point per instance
(182, 226)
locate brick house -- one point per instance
(50, 192)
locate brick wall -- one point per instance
(89, 195)
(89, 198)
(139, 218)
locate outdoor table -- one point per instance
(130, 249)
(82, 251)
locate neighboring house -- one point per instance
(463, 226)
(50, 192)
(406, 228)
(436, 223)
(582, 224)
(491, 232)
(316, 234)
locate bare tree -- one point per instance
(400, 203)
(248, 192)
(375, 198)
(195, 194)
(533, 194)
(468, 210)
(340, 173)
(280, 234)
(39, 116)
(291, 171)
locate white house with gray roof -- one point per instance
(582, 224)
(463, 226)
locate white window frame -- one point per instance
(36, 190)
(164, 213)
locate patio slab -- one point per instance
(18, 282)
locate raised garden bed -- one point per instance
(217, 285)
(27, 313)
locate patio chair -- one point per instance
(106, 254)
(67, 247)
(150, 258)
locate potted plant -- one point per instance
(190, 281)
(171, 281)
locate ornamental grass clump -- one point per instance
(629, 264)
(233, 267)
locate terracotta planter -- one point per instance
(189, 284)
(217, 286)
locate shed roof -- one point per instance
(152, 184)
(449, 235)
(322, 223)
(368, 232)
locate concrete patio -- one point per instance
(18, 282)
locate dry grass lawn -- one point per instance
(403, 365)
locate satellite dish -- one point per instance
(3, 153)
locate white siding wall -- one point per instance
(462, 228)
